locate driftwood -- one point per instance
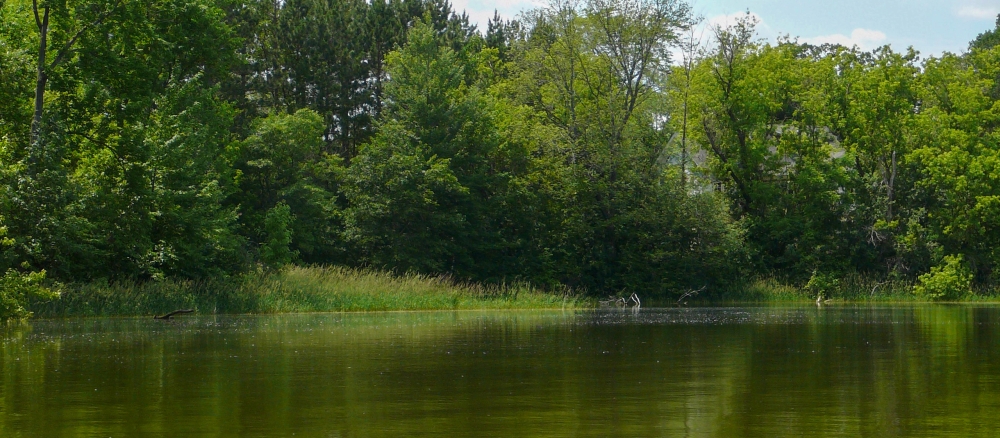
(622, 302)
(690, 293)
(634, 300)
(877, 286)
(175, 312)
(820, 300)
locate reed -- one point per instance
(850, 288)
(298, 290)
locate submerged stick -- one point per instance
(175, 312)
(634, 299)
(621, 302)
(690, 293)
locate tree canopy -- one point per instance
(564, 147)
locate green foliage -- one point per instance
(126, 178)
(282, 161)
(298, 289)
(274, 252)
(18, 288)
(948, 280)
(987, 40)
(847, 288)
(436, 191)
(806, 160)
(183, 140)
(620, 219)
(822, 285)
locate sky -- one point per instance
(930, 26)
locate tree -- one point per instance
(282, 163)
(876, 101)
(734, 120)
(680, 89)
(321, 55)
(126, 176)
(632, 40)
(771, 121)
(953, 203)
(413, 190)
(445, 186)
(987, 40)
(275, 252)
(597, 74)
(86, 19)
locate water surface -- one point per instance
(833, 371)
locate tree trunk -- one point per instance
(43, 47)
(684, 136)
(890, 187)
(42, 79)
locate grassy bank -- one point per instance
(338, 289)
(849, 289)
(297, 289)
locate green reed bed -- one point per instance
(851, 288)
(296, 290)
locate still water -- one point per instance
(795, 371)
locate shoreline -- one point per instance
(297, 290)
(335, 289)
(776, 304)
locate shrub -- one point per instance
(949, 280)
(275, 252)
(822, 284)
(16, 288)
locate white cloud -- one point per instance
(865, 39)
(977, 13)
(978, 9)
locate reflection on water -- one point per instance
(833, 371)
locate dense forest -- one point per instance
(601, 145)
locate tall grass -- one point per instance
(296, 290)
(855, 288)
(850, 288)
(339, 289)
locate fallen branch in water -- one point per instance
(690, 293)
(175, 312)
(622, 302)
(634, 299)
(877, 286)
(609, 302)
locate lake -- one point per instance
(755, 372)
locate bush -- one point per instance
(275, 252)
(949, 280)
(822, 284)
(17, 288)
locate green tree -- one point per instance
(428, 193)
(275, 252)
(596, 75)
(282, 163)
(949, 280)
(125, 177)
(988, 39)
(322, 55)
(954, 200)
(17, 289)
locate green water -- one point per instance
(834, 371)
